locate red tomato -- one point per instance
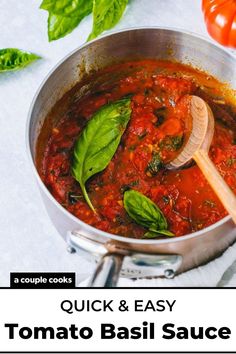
(220, 18)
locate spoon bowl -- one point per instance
(201, 133)
(197, 148)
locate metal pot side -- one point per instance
(158, 43)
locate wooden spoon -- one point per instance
(197, 148)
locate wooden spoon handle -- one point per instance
(222, 190)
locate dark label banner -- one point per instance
(42, 280)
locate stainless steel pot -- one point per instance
(135, 258)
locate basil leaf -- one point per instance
(59, 26)
(106, 14)
(146, 213)
(14, 59)
(98, 142)
(78, 8)
(65, 15)
(154, 234)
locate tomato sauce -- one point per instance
(156, 132)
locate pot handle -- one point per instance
(107, 272)
(114, 261)
(140, 265)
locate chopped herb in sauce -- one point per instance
(166, 199)
(142, 135)
(172, 143)
(161, 114)
(209, 203)
(132, 147)
(147, 91)
(231, 161)
(155, 165)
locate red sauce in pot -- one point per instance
(156, 131)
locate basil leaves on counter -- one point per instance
(59, 26)
(67, 7)
(98, 142)
(14, 59)
(146, 213)
(65, 15)
(106, 14)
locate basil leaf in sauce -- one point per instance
(14, 59)
(106, 14)
(146, 213)
(64, 16)
(154, 234)
(98, 142)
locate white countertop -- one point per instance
(28, 240)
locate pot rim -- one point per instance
(91, 229)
